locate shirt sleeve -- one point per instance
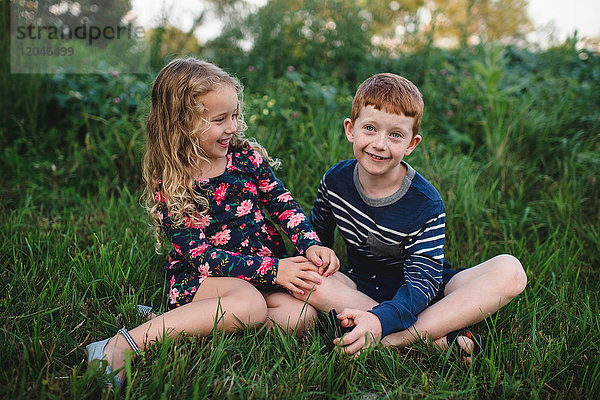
(283, 209)
(422, 275)
(191, 245)
(321, 216)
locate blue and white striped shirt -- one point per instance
(395, 245)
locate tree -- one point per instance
(335, 35)
(465, 21)
(72, 13)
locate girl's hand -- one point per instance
(324, 258)
(293, 274)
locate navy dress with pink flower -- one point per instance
(235, 238)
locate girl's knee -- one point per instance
(248, 305)
(514, 278)
(307, 318)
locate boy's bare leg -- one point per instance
(232, 301)
(470, 296)
(339, 292)
(289, 313)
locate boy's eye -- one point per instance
(396, 135)
(370, 128)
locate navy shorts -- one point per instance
(447, 274)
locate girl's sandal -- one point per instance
(144, 311)
(475, 338)
(95, 352)
(141, 311)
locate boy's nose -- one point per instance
(379, 141)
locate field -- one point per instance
(511, 141)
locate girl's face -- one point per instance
(220, 122)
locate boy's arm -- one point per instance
(321, 216)
(422, 275)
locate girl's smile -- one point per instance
(220, 122)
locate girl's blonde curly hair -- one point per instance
(173, 153)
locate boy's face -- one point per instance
(380, 141)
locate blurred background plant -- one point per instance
(511, 140)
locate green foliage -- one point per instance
(324, 38)
(511, 141)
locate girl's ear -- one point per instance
(349, 129)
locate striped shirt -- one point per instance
(395, 245)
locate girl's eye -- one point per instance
(220, 119)
(234, 116)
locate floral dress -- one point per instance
(235, 238)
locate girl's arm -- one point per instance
(190, 244)
(282, 207)
(288, 214)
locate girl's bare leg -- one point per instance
(289, 313)
(233, 302)
(470, 296)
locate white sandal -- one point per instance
(143, 311)
(95, 351)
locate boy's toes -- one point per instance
(470, 344)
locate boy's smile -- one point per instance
(380, 141)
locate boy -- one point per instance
(392, 220)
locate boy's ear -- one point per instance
(349, 129)
(413, 143)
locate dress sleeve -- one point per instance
(282, 207)
(191, 245)
(321, 216)
(422, 276)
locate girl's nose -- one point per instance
(232, 126)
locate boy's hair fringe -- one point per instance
(391, 93)
(173, 150)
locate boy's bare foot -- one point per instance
(463, 340)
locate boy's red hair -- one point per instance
(392, 94)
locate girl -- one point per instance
(206, 188)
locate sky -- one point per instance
(564, 16)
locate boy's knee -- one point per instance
(515, 278)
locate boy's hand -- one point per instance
(293, 274)
(366, 332)
(324, 258)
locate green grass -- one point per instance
(518, 176)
